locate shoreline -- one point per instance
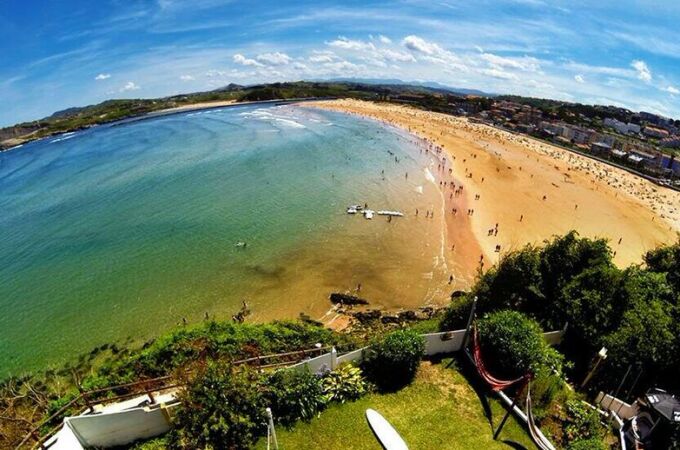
(532, 191)
(201, 106)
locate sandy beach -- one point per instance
(504, 190)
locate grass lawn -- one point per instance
(439, 410)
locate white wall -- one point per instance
(553, 337)
(65, 439)
(621, 408)
(445, 342)
(323, 363)
(122, 427)
(354, 356)
(126, 426)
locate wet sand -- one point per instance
(524, 191)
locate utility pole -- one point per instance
(601, 356)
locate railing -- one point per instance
(87, 399)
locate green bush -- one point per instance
(159, 443)
(294, 395)
(582, 424)
(587, 444)
(514, 283)
(666, 260)
(457, 314)
(222, 408)
(547, 389)
(343, 384)
(513, 345)
(392, 362)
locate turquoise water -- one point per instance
(121, 231)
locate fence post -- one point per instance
(334, 358)
(466, 336)
(83, 394)
(271, 429)
(507, 414)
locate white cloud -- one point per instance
(186, 78)
(274, 59)
(240, 59)
(342, 66)
(600, 70)
(420, 45)
(102, 76)
(579, 78)
(321, 59)
(432, 52)
(350, 44)
(215, 73)
(396, 56)
(672, 90)
(129, 86)
(498, 73)
(525, 63)
(643, 72)
(384, 39)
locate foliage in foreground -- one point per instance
(392, 362)
(293, 395)
(346, 383)
(222, 408)
(29, 399)
(513, 346)
(634, 312)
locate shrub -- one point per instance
(513, 345)
(514, 283)
(666, 259)
(160, 443)
(393, 361)
(547, 389)
(587, 444)
(457, 314)
(222, 408)
(343, 384)
(582, 424)
(294, 395)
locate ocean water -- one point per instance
(120, 232)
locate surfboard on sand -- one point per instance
(384, 432)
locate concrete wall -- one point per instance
(435, 344)
(354, 356)
(116, 426)
(320, 364)
(65, 439)
(445, 342)
(621, 408)
(121, 427)
(553, 337)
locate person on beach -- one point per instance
(450, 279)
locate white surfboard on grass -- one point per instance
(386, 434)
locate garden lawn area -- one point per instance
(439, 410)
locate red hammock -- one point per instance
(495, 383)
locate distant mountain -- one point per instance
(66, 112)
(231, 87)
(398, 82)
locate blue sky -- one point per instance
(66, 53)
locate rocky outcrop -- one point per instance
(346, 299)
